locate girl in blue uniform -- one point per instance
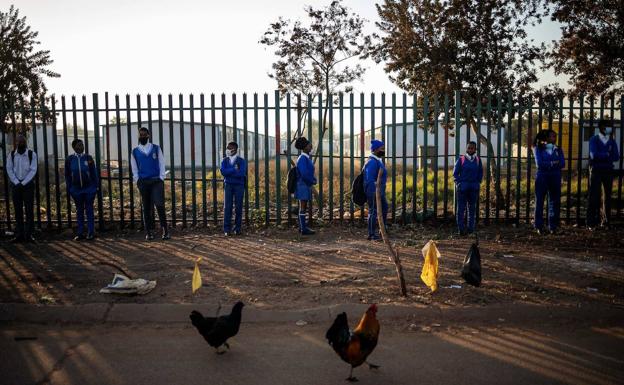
(234, 171)
(305, 181)
(371, 171)
(550, 161)
(81, 180)
(468, 174)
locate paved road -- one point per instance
(270, 353)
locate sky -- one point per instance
(182, 46)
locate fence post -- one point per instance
(457, 134)
(278, 181)
(96, 129)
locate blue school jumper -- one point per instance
(371, 170)
(235, 177)
(81, 181)
(548, 181)
(468, 174)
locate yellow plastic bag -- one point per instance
(196, 282)
(429, 273)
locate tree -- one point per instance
(591, 48)
(22, 68)
(312, 59)
(479, 47)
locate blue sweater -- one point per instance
(469, 174)
(602, 155)
(548, 164)
(305, 171)
(80, 174)
(234, 174)
(148, 164)
(371, 169)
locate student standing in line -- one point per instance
(21, 167)
(603, 151)
(234, 171)
(148, 171)
(305, 181)
(468, 174)
(371, 170)
(549, 160)
(81, 180)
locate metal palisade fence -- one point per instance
(424, 135)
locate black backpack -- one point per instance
(291, 180)
(471, 270)
(358, 193)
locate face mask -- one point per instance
(232, 152)
(381, 154)
(549, 146)
(143, 141)
(21, 148)
(608, 130)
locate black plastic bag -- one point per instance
(471, 271)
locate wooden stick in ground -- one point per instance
(394, 255)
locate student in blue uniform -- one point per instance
(305, 181)
(603, 151)
(234, 171)
(468, 174)
(148, 171)
(21, 168)
(550, 161)
(81, 180)
(371, 170)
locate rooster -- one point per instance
(217, 330)
(355, 346)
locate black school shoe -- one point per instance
(149, 236)
(165, 234)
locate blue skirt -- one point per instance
(303, 192)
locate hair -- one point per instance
(233, 144)
(602, 123)
(301, 143)
(75, 142)
(541, 137)
(144, 129)
(472, 142)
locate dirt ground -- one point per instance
(277, 269)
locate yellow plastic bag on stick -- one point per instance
(429, 273)
(196, 282)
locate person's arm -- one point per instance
(242, 168)
(539, 159)
(615, 154)
(161, 163)
(457, 171)
(68, 174)
(134, 167)
(480, 171)
(226, 168)
(32, 170)
(371, 169)
(561, 159)
(10, 171)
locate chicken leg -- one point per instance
(351, 378)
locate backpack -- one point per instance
(358, 193)
(291, 180)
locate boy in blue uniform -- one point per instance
(371, 170)
(234, 171)
(603, 151)
(21, 168)
(305, 181)
(81, 180)
(148, 171)
(468, 174)
(549, 160)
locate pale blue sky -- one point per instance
(165, 46)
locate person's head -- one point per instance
(605, 127)
(541, 138)
(78, 146)
(471, 148)
(232, 148)
(20, 143)
(144, 135)
(377, 148)
(303, 144)
(551, 137)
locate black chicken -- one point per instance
(217, 330)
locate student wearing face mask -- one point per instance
(373, 164)
(21, 167)
(234, 171)
(81, 181)
(468, 174)
(305, 181)
(148, 171)
(549, 160)
(603, 151)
